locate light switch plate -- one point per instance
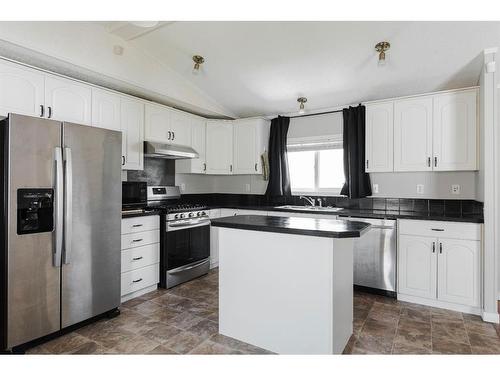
(375, 188)
(455, 189)
(420, 189)
(183, 187)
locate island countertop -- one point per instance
(294, 225)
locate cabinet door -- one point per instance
(379, 137)
(413, 134)
(458, 271)
(21, 90)
(454, 140)
(67, 100)
(198, 136)
(219, 147)
(180, 125)
(417, 266)
(105, 110)
(132, 124)
(245, 139)
(157, 124)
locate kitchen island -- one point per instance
(286, 283)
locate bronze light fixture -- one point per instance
(302, 100)
(198, 60)
(381, 48)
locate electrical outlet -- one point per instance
(375, 188)
(183, 187)
(455, 189)
(247, 187)
(420, 189)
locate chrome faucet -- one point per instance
(311, 201)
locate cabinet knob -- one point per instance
(433, 247)
(367, 164)
(429, 161)
(169, 135)
(50, 112)
(173, 136)
(440, 248)
(123, 160)
(230, 168)
(204, 167)
(255, 167)
(42, 110)
(435, 161)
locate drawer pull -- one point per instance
(437, 230)
(136, 225)
(138, 258)
(136, 281)
(137, 240)
(433, 247)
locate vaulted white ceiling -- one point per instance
(260, 68)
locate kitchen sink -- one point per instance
(311, 208)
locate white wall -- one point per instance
(89, 46)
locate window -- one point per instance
(316, 166)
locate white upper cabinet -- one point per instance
(379, 150)
(21, 90)
(198, 137)
(157, 123)
(219, 147)
(454, 135)
(105, 109)
(67, 100)
(459, 271)
(250, 139)
(417, 265)
(413, 134)
(180, 126)
(132, 124)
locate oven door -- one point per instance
(187, 251)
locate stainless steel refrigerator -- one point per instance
(60, 229)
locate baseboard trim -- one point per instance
(138, 293)
(441, 304)
(490, 317)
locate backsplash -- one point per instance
(437, 206)
(156, 172)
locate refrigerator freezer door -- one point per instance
(92, 244)
(33, 282)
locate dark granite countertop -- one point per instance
(294, 225)
(375, 214)
(126, 215)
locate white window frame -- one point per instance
(310, 143)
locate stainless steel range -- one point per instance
(185, 247)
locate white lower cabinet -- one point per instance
(140, 256)
(214, 239)
(458, 271)
(439, 264)
(417, 266)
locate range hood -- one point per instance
(168, 151)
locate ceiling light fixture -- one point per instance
(302, 100)
(381, 48)
(198, 60)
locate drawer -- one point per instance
(140, 278)
(139, 257)
(140, 224)
(444, 229)
(140, 239)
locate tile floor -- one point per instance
(183, 320)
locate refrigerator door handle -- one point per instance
(58, 216)
(68, 204)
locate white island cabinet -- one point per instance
(285, 283)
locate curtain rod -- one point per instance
(317, 114)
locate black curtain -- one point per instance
(279, 175)
(357, 181)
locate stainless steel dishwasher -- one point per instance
(375, 256)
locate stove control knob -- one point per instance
(191, 214)
(181, 216)
(176, 216)
(199, 214)
(203, 213)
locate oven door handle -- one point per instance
(200, 223)
(189, 266)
